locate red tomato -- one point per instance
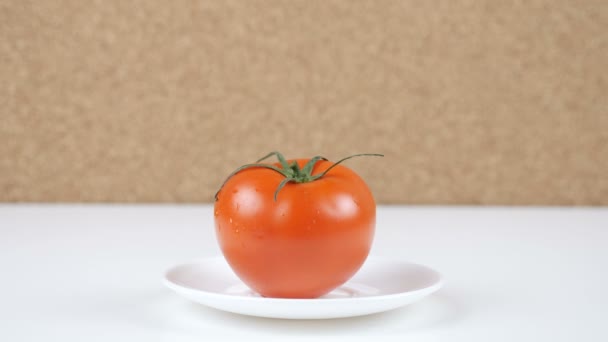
(308, 240)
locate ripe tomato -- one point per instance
(289, 236)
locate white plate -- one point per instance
(380, 285)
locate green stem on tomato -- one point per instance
(292, 173)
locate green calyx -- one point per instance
(292, 171)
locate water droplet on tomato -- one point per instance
(237, 230)
(231, 220)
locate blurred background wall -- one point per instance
(472, 102)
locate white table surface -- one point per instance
(93, 273)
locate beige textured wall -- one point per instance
(483, 102)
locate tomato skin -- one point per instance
(312, 239)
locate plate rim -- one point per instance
(438, 284)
